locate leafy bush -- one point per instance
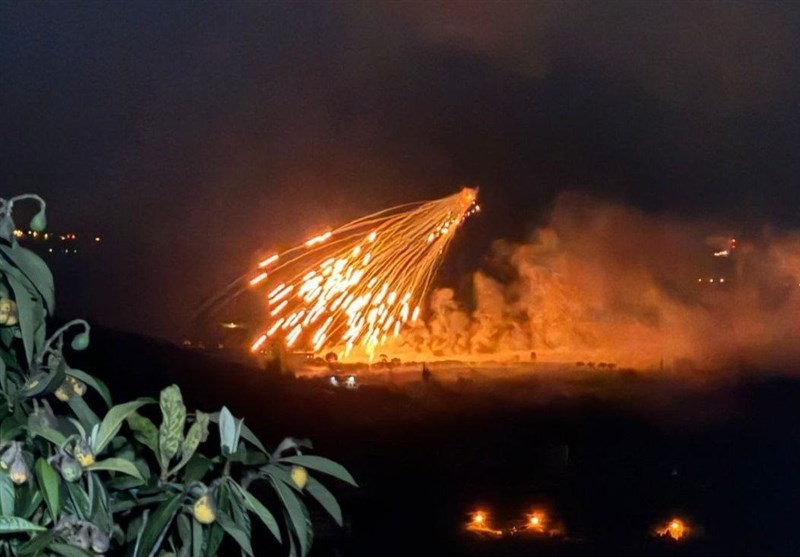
(75, 484)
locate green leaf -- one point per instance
(37, 543)
(197, 539)
(82, 411)
(215, 535)
(297, 517)
(49, 482)
(228, 432)
(31, 314)
(116, 465)
(79, 499)
(112, 423)
(324, 498)
(170, 434)
(10, 427)
(321, 464)
(235, 532)
(246, 433)
(157, 525)
(11, 524)
(27, 501)
(197, 433)
(93, 382)
(69, 550)
(144, 431)
(257, 508)
(197, 467)
(7, 495)
(35, 270)
(37, 427)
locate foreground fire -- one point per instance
(358, 285)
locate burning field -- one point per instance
(598, 284)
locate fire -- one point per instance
(360, 283)
(676, 529)
(479, 522)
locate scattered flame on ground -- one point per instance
(675, 529)
(479, 522)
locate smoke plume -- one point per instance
(603, 282)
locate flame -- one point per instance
(352, 275)
(676, 529)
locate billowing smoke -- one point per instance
(608, 283)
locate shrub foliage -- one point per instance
(78, 481)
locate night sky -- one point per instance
(192, 136)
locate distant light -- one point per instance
(334, 381)
(97, 238)
(722, 280)
(711, 280)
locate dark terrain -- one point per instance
(610, 455)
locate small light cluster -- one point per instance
(539, 523)
(536, 522)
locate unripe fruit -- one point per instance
(203, 510)
(299, 476)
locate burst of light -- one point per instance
(675, 529)
(258, 343)
(345, 282)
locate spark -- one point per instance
(356, 285)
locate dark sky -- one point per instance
(193, 135)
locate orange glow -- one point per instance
(258, 279)
(675, 529)
(258, 343)
(351, 284)
(318, 239)
(268, 261)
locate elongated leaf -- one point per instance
(69, 550)
(36, 427)
(324, 498)
(27, 501)
(37, 543)
(296, 515)
(197, 539)
(170, 434)
(31, 313)
(10, 427)
(257, 508)
(112, 423)
(321, 464)
(116, 465)
(49, 481)
(157, 524)
(10, 524)
(197, 467)
(36, 271)
(235, 532)
(7, 495)
(81, 504)
(144, 430)
(82, 411)
(197, 433)
(246, 433)
(93, 382)
(228, 432)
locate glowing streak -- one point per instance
(355, 290)
(268, 261)
(257, 279)
(318, 239)
(278, 309)
(257, 344)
